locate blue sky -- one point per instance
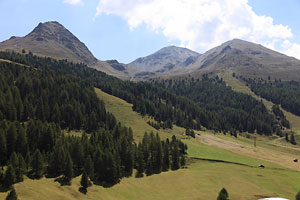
(128, 29)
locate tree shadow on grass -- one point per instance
(63, 181)
(83, 190)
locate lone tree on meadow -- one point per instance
(84, 180)
(223, 195)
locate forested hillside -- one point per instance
(231, 110)
(284, 93)
(192, 104)
(40, 99)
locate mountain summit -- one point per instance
(165, 59)
(54, 40)
(247, 59)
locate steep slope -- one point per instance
(165, 59)
(247, 59)
(52, 39)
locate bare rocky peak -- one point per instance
(164, 58)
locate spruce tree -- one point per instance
(28, 160)
(223, 195)
(11, 139)
(84, 180)
(69, 173)
(12, 195)
(175, 157)
(149, 168)
(140, 164)
(89, 167)
(3, 149)
(37, 164)
(166, 158)
(10, 176)
(21, 167)
(293, 141)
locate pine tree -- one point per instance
(140, 164)
(166, 158)
(175, 157)
(89, 167)
(37, 164)
(293, 141)
(10, 176)
(3, 149)
(84, 180)
(21, 167)
(11, 139)
(28, 160)
(286, 137)
(69, 173)
(182, 161)
(149, 168)
(12, 195)
(21, 142)
(223, 195)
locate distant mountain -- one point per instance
(245, 58)
(165, 59)
(54, 40)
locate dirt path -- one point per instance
(271, 155)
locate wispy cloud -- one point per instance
(200, 24)
(73, 2)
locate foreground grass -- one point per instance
(201, 180)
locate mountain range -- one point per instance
(244, 58)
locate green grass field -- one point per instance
(123, 112)
(200, 180)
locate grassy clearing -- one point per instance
(124, 114)
(238, 86)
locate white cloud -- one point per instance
(291, 49)
(73, 2)
(200, 24)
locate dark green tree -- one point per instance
(69, 173)
(175, 157)
(10, 176)
(286, 137)
(293, 141)
(84, 180)
(3, 149)
(223, 195)
(89, 167)
(166, 158)
(12, 195)
(37, 164)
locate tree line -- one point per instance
(213, 106)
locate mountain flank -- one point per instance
(247, 59)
